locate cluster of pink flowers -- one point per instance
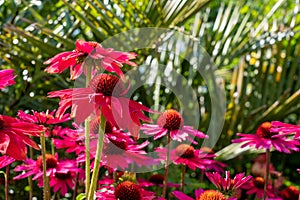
(103, 103)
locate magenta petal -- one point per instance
(181, 196)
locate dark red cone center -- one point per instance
(51, 161)
(264, 130)
(259, 182)
(62, 176)
(128, 190)
(170, 119)
(107, 85)
(157, 179)
(185, 151)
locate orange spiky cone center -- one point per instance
(185, 151)
(128, 190)
(170, 119)
(211, 195)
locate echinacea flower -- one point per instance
(5, 160)
(290, 193)
(201, 194)
(259, 166)
(227, 185)
(6, 78)
(65, 178)
(61, 173)
(171, 122)
(156, 180)
(119, 151)
(43, 118)
(13, 136)
(106, 93)
(284, 128)
(266, 139)
(256, 186)
(69, 139)
(124, 191)
(187, 155)
(108, 59)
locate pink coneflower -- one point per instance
(290, 193)
(227, 185)
(201, 194)
(107, 93)
(7, 78)
(108, 59)
(120, 151)
(14, 137)
(61, 173)
(124, 191)
(43, 118)
(284, 128)
(259, 166)
(70, 139)
(172, 122)
(256, 186)
(65, 178)
(265, 138)
(186, 154)
(156, 180)
(5, 160)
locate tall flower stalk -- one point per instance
(164, 192)
(46, 189)
(268, 160)
(94, 179)
(182, 178)
(87, 137)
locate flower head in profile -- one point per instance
(7, 78)
(265, 138)
(14, 136)
(125, 190)
(156, 180)
(5, 160)
(69, 139)
(61, 173)
(286, 129)
(119, 151)
(107, 59)
(201, 194)
(171, 122)
(189, 156)
(107, 93)
(290, 193)
(256, 186)
(42, 118)
(227, 185)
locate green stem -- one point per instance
(87, 155)
(182, 178)
(52, 147)
(6, 183)
(268, 160)
(46, 186)
(87, 138)
(97, 158)
(5, 178)
(164, 192)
